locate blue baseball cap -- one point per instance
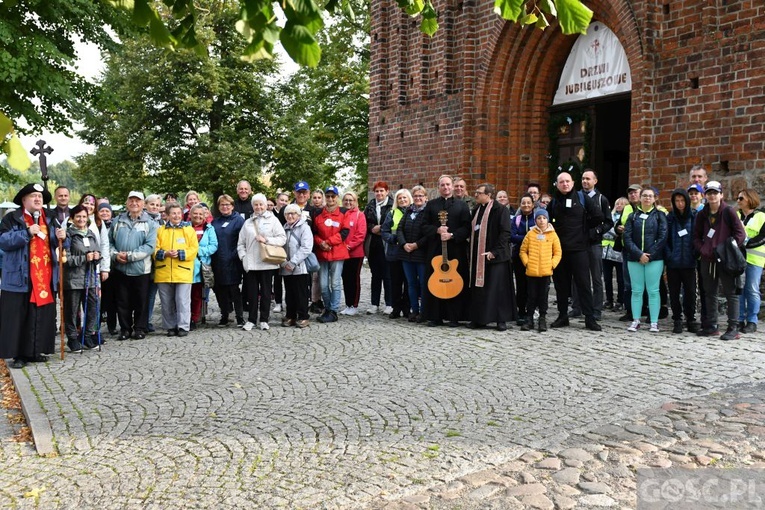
(696, 187)
(302, 186)
(332, 189)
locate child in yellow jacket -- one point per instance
(540, 253)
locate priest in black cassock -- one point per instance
(456, 234)
(492, 300)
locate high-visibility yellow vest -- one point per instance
(755, 256)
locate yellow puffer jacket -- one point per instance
(541, 251)
(175, 270)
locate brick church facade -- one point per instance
(476, 99)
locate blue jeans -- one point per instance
(646, 277)
(331, 283)
(749, 304)
(415, 278)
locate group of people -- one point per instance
(447, 260)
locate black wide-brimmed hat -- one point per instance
(32, 187)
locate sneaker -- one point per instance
(388, 310)
(182, 332)
(349, 310)
(223, 322)
(74, 346)
(264, 326)
(618, 307)
(240, 321)
(373, 309)
(708, 332)
(751, 327)
(248, 326)
(329, 316)
(634, 326)
(278, 308)
(731, 334)
(654, 327)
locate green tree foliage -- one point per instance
(174, 121)
(37, 55)
(324, 126)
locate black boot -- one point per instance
(591, 324)
(560, 322)
(692, 326)
(542, 324)
(678, 327)
(528, 325)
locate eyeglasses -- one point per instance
(740, 199)
(545, 202)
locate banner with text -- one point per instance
(597, 66)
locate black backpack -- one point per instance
(729, 257)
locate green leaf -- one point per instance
(332, 5)
(542, 22)
(429, 23)
(6, 126)
(574, 17)
(304, 12)
(142, 12)
(300, 44)
(17, 156)
(529, 19)
(160, 34)
(348, 11)
(548, 6)
(415, 7)
(509, 9)
(429, 26)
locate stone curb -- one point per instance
(34, 414)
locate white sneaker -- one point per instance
(654, 327)
(264, 326)
(349, 310)
(248, 326)
(373, 309)
(388, 310)
(634, 326)
(277, 308)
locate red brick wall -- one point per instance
(474, 99)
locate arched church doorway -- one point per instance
(589, 124)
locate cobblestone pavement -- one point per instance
(362, 413)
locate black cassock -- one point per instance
(495, 301)
(458, 221)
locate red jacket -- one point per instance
(333, 228)
(357, 223)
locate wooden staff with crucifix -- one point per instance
(41, 150)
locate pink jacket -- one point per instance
(331, 227)
(357, 223)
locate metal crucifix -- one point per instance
(40, 150)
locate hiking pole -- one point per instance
(85, 307)
(61, 260)
(98, 308)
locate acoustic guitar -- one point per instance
(445, 282)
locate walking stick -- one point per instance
(61, 259)
(97, 276)
(85, 307)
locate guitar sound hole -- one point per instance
(445, 268)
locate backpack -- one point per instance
(729, 257)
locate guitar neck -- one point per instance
(444, 254)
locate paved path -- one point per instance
(339, 416)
